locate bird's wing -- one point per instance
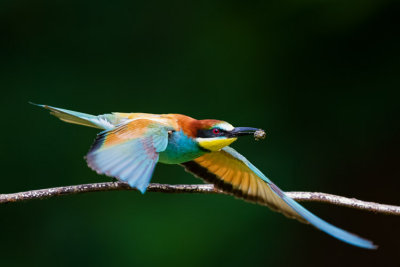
(234, 174)
(105, 121)
(130, 151)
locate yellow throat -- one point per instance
(216, 143)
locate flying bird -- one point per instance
(131, 144)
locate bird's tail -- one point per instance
(106, 121)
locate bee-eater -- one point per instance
(131, 144)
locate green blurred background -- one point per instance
(321, 77)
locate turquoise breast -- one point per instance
(181, 148)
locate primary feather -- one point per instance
(105, 121)
(129, 151)
(234, 174)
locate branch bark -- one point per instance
(194, 188)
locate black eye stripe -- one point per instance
(211, 133)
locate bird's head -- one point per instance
(213, 135)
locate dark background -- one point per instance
(321, 78)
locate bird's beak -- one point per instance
(240, 131)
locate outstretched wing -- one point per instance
(130, 151)
(234, 174)
(105, 121)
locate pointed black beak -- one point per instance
(240, 131)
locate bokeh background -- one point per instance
(321, 77)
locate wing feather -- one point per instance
(245, 181)
(105, 121)
(130, 151)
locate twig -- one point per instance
(344, 201)
(195, 188)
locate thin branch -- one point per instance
(195, 188)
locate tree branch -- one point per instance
(195, 188)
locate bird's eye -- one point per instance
(216, 131)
